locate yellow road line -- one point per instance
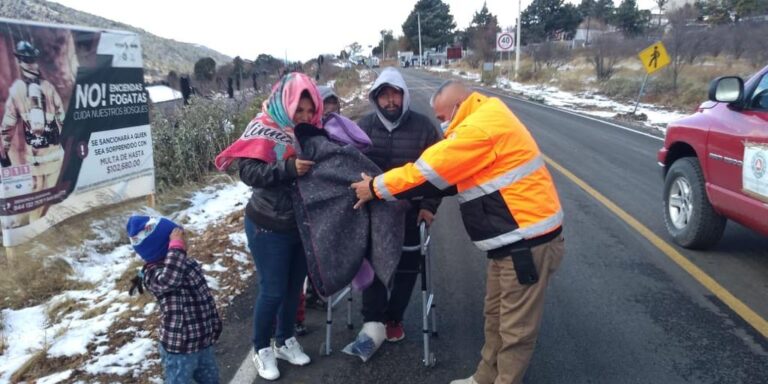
(746, 313)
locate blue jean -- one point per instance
(181, 368)
(282, 267)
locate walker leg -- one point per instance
(328, 323)
(349, 311)
(425, 328)
(430, 287)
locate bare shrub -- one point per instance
(757, 49)
(684, 42)
(716, 40)
(605, 53)
(186, 142)
(551, 54)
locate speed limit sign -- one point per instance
(505, 42)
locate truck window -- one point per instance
(759, 99)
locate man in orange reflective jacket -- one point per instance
(510, 209)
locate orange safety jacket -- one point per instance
(489, 158)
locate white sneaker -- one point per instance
(468, 380)
(292, 352)
(266, 363)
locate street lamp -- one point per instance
(383, 44)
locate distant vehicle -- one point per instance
(375, 62)
(715, 162)
(405, 58)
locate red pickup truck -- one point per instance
(715, 163)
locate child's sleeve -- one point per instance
(170, 274)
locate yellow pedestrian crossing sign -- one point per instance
(654, 57)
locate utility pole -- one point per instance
(517, 38)
(421, 54)
(383, 45)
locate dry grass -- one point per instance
(3, 337)
(579, 76)
(576, 78)
(347, 81)
(57, 311)
(96, 311)
(26, 371)
(41, 365)
(35, 280)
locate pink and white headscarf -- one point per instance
(269, 136)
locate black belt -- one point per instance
(522, 256)
(504, 251)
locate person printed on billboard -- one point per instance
(31, 126)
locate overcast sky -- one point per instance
(302, 29)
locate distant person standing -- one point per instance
(331, 102)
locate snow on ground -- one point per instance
(213, 203)
(30, 330)
(162, 93)
(588, 103)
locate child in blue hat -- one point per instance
(190, 322)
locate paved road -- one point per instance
(618, 311)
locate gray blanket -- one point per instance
(336, 237)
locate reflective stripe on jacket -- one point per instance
(506, 193)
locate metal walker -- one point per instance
(427, 300)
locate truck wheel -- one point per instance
(688, 215)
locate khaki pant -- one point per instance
(513, 314)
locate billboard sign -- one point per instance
(74, 124)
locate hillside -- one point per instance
(160, 55)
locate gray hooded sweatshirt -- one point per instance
(390, 77)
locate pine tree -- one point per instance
(543, 19)
(586, 8)
(603, 10)
(437, 24)
(205, 69)
(629, 19)
(481, 34)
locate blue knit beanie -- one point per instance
(150, 236)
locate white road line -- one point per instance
(247, 373)
(575, 114)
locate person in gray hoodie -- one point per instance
(331, 101)
(399, 136)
